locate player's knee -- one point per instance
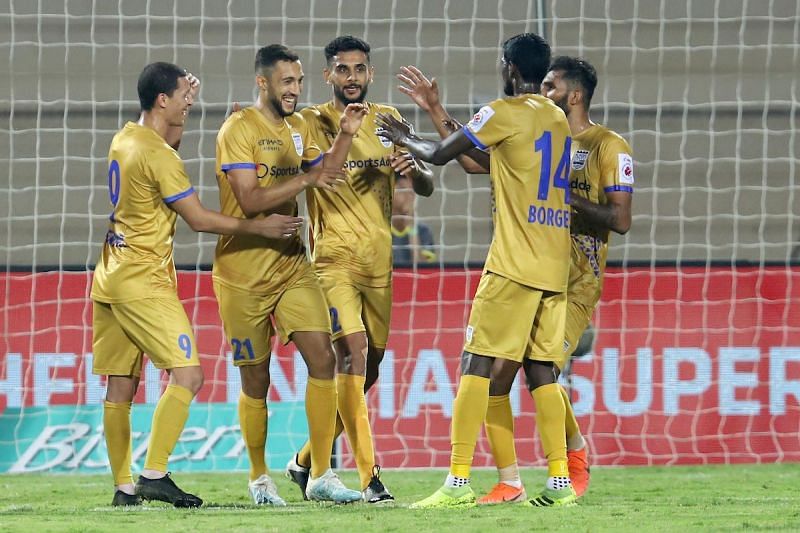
(196, 381)
(539, 373)
(323, 365)
(121, 389)
(351, 355)
(317, 352)
(190, 378)
(502, 376)
(255, 380)
(351, 364)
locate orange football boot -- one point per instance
(503, 493)
(578, 464)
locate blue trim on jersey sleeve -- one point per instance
(234, 166)
(475, 140)
(176, 197)
(618, 188)
(316, 161)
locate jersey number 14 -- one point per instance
(560, 179)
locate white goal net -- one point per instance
(698, 352)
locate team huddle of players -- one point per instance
(560, 183)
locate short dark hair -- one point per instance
(530, 53)
(267, 56)
(346, 43)
(157, 78)
(577, 71)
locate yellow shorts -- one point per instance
(247, 317)
(158, 327)
(356, 307)
(578, 317)
(513, 321)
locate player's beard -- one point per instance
(338, 92)
(508, 88)
(562, 104)
(278, 107)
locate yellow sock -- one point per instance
(550, 413)
(304, 455)
(353, 410)
(499, 426)
(321, 413)
(253, 421)
(117, 429)
(169, 419)
(570, 422)
(469, 411)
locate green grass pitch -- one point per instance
(699, 498)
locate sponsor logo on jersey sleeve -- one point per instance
(298, 143)
(625, 169)
(480, 118)
(579, 159)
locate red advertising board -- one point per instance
(691, 364)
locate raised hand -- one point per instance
(194, 84)
(423, 91)
(396, 130)
(277, 226)
(326, 178)
(352, 117)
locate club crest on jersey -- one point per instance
(625, 169)
(480, 118)
(385, 141)
(298, 143)
(579, 159)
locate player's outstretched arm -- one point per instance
(254, 199)
(437, 153)
(425, 93)
(349, 124)
(615, 214)
(199, 218)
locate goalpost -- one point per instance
(697, 357)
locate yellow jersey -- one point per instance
(247, 140)
(529, 142)
(351, 227)
(145, 175)
(601, 163)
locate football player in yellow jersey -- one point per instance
(352, 250)
(601, 183)
(265, 157)
(527, 268)
(135, 302)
